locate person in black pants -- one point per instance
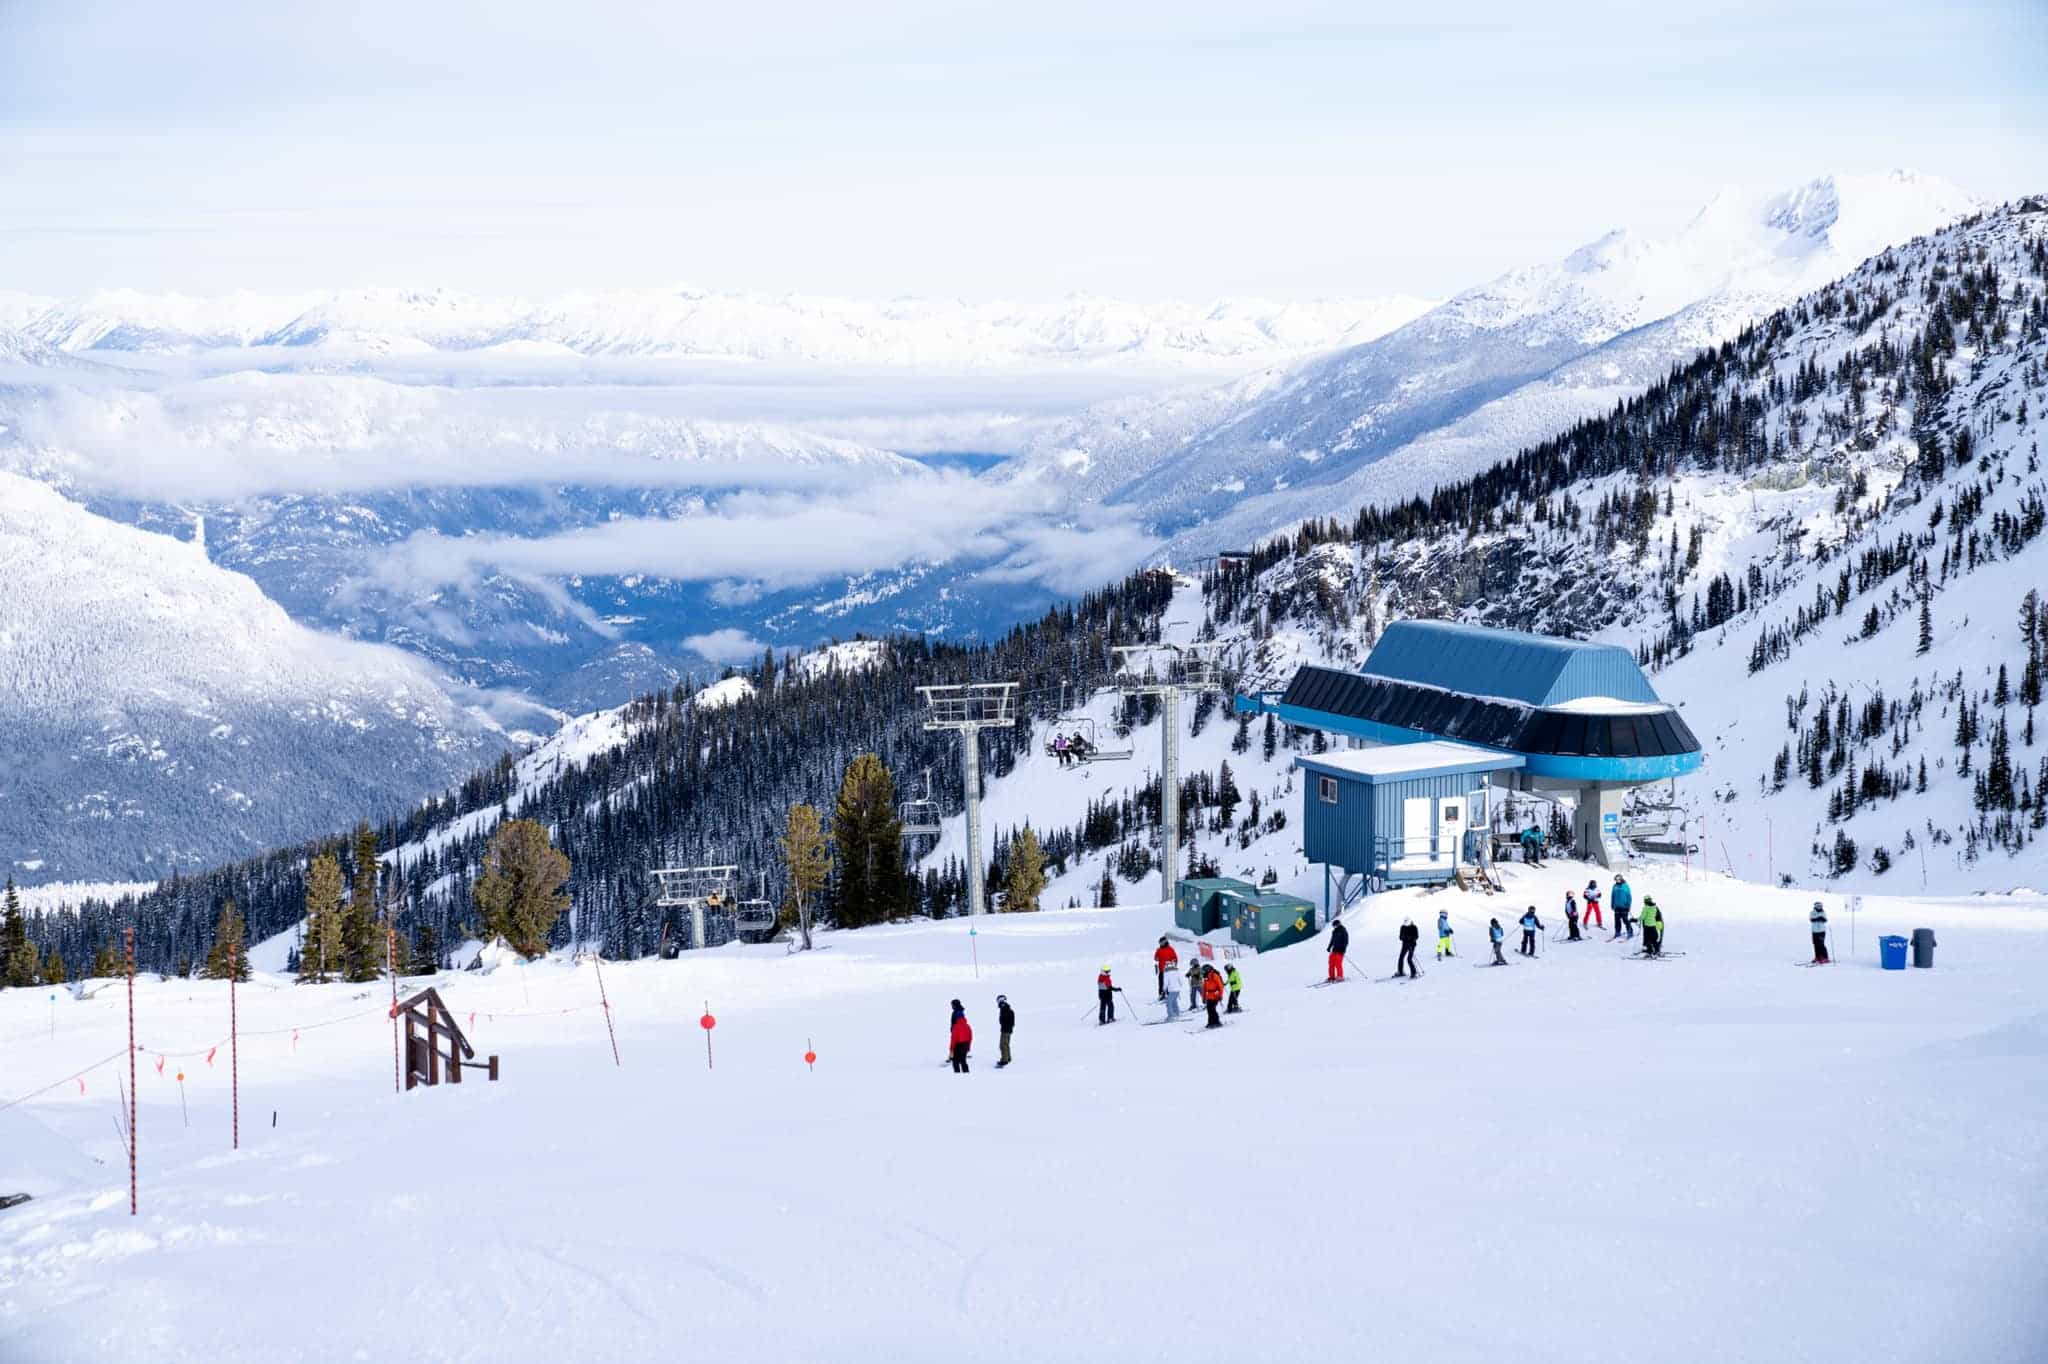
(1530, 925)
(1410, 935)
(1105, 998)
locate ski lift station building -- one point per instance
(1482, 711)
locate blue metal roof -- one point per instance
(1537, 670)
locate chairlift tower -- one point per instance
(696, 889)
(970, 708)
(1190, 669)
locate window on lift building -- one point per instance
(1326, 790)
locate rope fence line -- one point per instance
(380, 1010)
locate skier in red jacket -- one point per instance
(1162, 960)
(1105, 998)
(963, 1038)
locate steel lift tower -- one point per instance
(1190, 668)
(970, 708)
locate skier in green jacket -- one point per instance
(1652, 921)
(1232, 982)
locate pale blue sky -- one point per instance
(1191, 149)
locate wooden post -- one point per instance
(391, 960)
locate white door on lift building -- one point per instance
(1415, 830)
(1450, 826)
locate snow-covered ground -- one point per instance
(1719, 1156)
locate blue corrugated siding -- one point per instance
(1347, 834)
(1536, 669)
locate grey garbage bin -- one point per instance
(1923, 947)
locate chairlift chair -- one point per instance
(920, 818)
(755, 916)
(1079, 739)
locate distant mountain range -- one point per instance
(938, 334)
(1470, 382)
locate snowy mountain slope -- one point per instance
(1318, 424)
(164, 714)
(1742, 1148)
(931, 333)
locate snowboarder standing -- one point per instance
(1443, 935)
(1531, 926)
(1624, 901)
(1105, 998)
(1653, 928)
(1340, 943)
(962, 1038)
(1233, 982)
(1212, 995)
(1817, 921)
(1162, 958)
(1571, 914)
(1495, 934)
(1410, 936)
(1006, 1023)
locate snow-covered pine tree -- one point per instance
(519, 893)
(320, 955)
(1026, 881)
(227, 956)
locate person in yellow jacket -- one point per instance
(1233, 982)
(1652, 922)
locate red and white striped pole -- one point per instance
(129, 944)
(391, 959)
(235, 1047)
(599, 963)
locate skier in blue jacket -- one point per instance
(1530, 925)
(1443, 935)
(1623, 900)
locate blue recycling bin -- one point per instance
(1891, 952)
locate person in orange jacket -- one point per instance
(1162, 959)
(1212, 994)
(963, 1038)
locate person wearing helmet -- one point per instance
(1162, 957)
(1653, 927)
(1410, 936)
(1105, 997)
(1624, 902)
(1212, 995)
(1234, 983)
(1195, 986)
(1006, 1023)
(1531, 926)
(1571, 915)
(1494, 934)
(1171, 985)
(1817, 921)
(1591, 913)
(1443, 935)
(962, 1038)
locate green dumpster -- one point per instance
(1264, 920)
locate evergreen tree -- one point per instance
(13, 930)
(54, 970)
(320, 955)
(24, 965)
(1269, 738)
(106, 963)
(520, 890)
(425, 957)
(363, 947)
(1026, 873)
(807, 858)
(227, 958)
(1926, 627)
(869, 839)
(1105, 894)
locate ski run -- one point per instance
(1578, 1160)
